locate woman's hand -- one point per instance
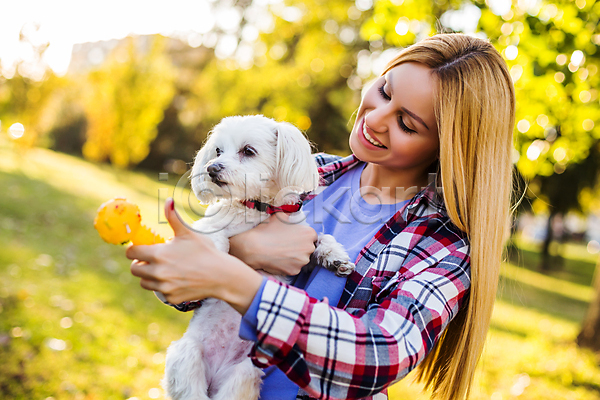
(188, 267)
(277, 246)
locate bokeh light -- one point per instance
(16, 130)
(588, 125)
(511, 52)
(593, 247)
(523, 125)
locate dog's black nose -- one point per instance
(214, 169)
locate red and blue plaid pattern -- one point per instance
(409, 282)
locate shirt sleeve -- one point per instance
(249, 319)
(333, 354)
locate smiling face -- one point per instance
(396, 126)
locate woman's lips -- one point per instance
(368, 138)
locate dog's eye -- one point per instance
(219, 152)
(249, 151)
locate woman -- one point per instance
(426, 276)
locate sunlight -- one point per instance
(64, 23)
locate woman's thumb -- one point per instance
(179, 227)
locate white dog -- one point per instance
(249, 166)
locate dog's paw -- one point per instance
(341, 268)
(331, 255)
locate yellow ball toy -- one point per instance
(119, 221)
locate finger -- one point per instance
(142, 269)
(314, 236)
(141, 252)
(149, 284)
(179, 227)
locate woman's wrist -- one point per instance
(247, 248)
(239, 284)
(278, 246)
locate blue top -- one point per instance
(340, 211)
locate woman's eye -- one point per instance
(400, 120)
(383, 93)
(404, 127)
(219, 152)
(249, 151)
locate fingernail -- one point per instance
(172, 205)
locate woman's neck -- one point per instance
(382, 185)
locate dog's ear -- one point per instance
(199, 176)
(296, 167)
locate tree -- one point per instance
(125, 100)
(297, 69)
(555, 68)
(28, 97)
(552, 52)
(554, 61)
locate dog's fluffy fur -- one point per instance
(244, 158)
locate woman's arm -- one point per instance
(333, 354)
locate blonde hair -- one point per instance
(474, 107)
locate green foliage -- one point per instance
(401, 23)
(124, 102)
(31, 103)
(557, 96)
(558, 111)
(30, 94)
(299, 75)
(305, 67)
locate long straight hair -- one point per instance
(475, 110)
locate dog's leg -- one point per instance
(243, 384)
(185, 372)
(331, 255)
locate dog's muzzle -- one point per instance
(213, 171)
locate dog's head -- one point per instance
(253, 158)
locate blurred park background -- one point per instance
(109, 99)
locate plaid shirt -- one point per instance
(409, 282)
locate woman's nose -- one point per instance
(377, 120)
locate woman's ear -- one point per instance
(296, 168)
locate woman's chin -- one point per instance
(357, 148)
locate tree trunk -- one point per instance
(545, 260)
(590, 332)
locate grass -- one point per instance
(74, 323)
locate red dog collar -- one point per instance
(269, 209)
